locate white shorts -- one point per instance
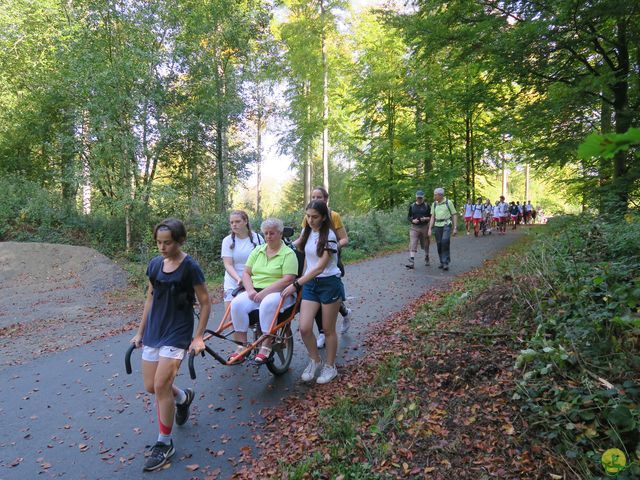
(151, 354)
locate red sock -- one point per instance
(164, 429)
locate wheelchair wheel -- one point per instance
(282, 351)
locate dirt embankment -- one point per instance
(54, 297)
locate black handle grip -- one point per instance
(287, 232)
(127, 358)
(192, 370)
(237, 290)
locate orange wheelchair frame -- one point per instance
(279, 331)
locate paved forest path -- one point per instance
(76, 414)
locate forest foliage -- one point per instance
(131, 111)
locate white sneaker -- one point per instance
(320, 341)
(328, 373)
(346, 322)
(311, 371)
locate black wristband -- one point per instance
(297, 285)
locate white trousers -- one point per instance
(242, 305)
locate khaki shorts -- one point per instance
(421, 233)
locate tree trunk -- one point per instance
(467, 154)
(325, 102)
(472, 157)
(307, 149)
(259, 120)
(221, 131)
(86, 186)
(504, 176)
(127, 228)
(623, 117)
(526, 181)
(68, 165)
(423, 143)
(420, 166)
(193, 182)
(454, 187)
(129, 166)
(86, 168)
(391, 132)
(604, 177)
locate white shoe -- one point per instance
(311, 371)
(320, 341)
(328, 373)
(346, 322)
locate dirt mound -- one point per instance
(43, 280)
(62, 289)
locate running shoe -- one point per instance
(426, 261)
(346, 322)
(327, 374)
(160, 455)
(311, 371)
(411, 263)
(182, 409)
(320, 341)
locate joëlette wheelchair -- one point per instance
(279, 331)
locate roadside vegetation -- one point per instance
(30, 213)
(533, 359)
(580, 288)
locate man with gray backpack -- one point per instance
(444, 224)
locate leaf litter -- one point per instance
(455, 415)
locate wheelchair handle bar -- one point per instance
(127, 358)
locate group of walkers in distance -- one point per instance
(485, 217)
(267, 270)
(440, 219)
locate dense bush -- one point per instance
(580, 284)
(371, 232)
(29, 212)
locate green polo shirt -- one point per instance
(265, 271)
(443, 211)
